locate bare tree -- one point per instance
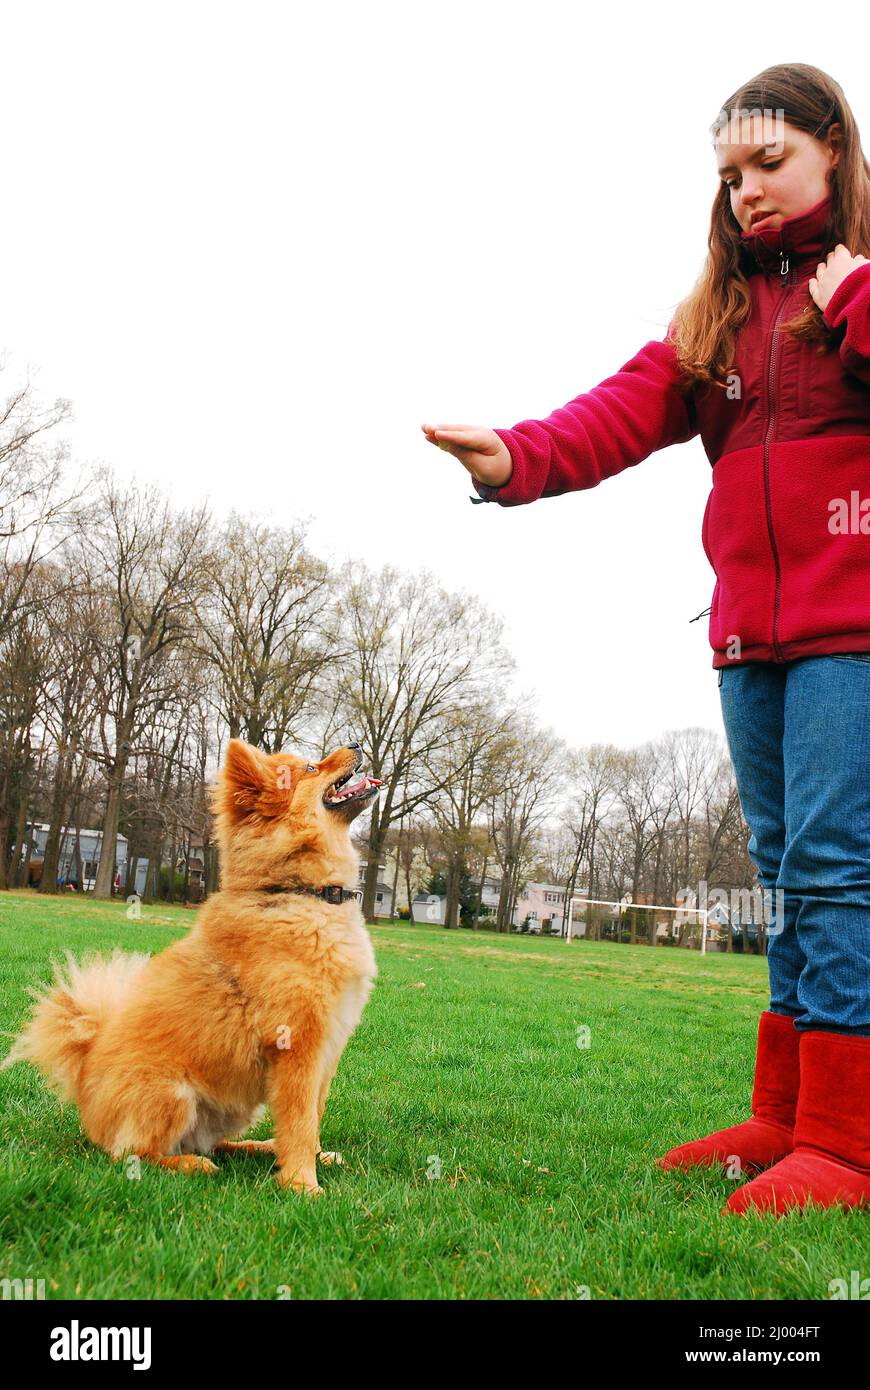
(468, 766)
(149, 566)
(23, 668)
(72, 701)
(518, 812)
(35, 498)
(418, 657)
(263, 623)
(693, 758)
(592, 775)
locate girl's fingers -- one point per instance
(458, 432)
(468, 438)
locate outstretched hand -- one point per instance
(479, 449)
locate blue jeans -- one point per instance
(799, 738)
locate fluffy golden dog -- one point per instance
(169, 1056)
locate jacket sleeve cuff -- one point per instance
(484, 492)
(848, 309)
(511, 493)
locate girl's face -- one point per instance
(772, 169)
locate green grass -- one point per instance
(467, 1052)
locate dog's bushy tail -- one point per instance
(70, 1012)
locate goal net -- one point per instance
(652, 924)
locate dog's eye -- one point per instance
(310, 768)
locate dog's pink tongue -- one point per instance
(361, 785)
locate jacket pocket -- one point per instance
(737, 545)
(805, 382)
(825, 570)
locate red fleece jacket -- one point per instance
(787, 523)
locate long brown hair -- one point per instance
(706, 323)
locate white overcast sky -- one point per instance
(258, 244)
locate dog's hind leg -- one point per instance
(328, 1159)
(246, 1146)
(161, 1126)
(182, 1163)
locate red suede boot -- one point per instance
(830, 1162)
(768, 1135)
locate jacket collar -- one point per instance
(800, 238)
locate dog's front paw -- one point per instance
(330, 1160)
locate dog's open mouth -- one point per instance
(339, 794)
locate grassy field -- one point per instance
(486, 1154)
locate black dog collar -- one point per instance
(332, 893)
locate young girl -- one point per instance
(768, 359)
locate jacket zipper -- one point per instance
(772, 362)
(771, 425)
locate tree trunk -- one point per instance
(503, 913)
(479, 894)
(370, 886)
(132, 871)
(393, 906)
(4, 842)
(173, 860)
(109, 844)
(211, 855)
(28, 854)
(152, 881)
(452, 897)
(15, 877)
(77, 852)
(48, 882)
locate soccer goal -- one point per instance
(689, 925)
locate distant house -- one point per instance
(90, 849)
(490, 893)
(432, 907)
(429, 909)
(544, 904)
(195, 868)
(383, 891)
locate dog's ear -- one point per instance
(246, 776)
